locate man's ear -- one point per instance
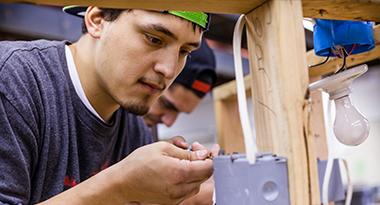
(93, 21)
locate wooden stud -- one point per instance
(318, 122)
(230, 133)
(276, 43)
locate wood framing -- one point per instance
(361, 10)
(228, 90)
(226, 96)
(276, 42)
(338, 9)
(214, 6)
(230, 133)
(317, 122)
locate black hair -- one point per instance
(112, 14)
(106, 14)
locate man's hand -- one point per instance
(159, 173)
(179, 141)
(163, 173)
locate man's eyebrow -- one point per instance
(168, 104)
(162, 29)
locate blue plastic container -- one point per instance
(330, 33)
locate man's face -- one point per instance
(166, 108)
(139, 55)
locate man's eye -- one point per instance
(154, 40)
(165, 104)
(184, 52)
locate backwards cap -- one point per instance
(200, 18)
(199, 72)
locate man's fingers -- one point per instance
(200, 150)
(189, 155)
(184, 154)
(215, 150)
(179, 141)
(197, 146)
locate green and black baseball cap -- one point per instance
(200, 18)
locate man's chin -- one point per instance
(148, 120)
(137, 109)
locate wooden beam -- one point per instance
(334, 64)
(228, 90)
(213, 6)
(276, 45)
(338, 9)
(360, 10)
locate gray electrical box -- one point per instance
(263, 183)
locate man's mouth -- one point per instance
(152, 87)
(153, 122)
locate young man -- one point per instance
(187, 90)
(67, 135)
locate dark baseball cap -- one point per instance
(199, 72)
(200, 18)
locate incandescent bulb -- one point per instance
(350, 126)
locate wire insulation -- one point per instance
(250, 141)
(312, 66)
(349, 184)
(330, 160)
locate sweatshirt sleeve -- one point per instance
(18, 155)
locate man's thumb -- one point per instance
(201, 154)
(189, 155)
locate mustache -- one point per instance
(158, 83)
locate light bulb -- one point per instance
(350, 126)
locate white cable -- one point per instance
(250, 142)
(242, 99)
(330, 160)
(349, 184)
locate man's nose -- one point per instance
(169, 118)
(167, 65)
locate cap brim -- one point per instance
(75, 10)
(80, 11)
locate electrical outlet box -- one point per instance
(238, 182)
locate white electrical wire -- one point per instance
(349, 184)
(330, 160)
(250, 141)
